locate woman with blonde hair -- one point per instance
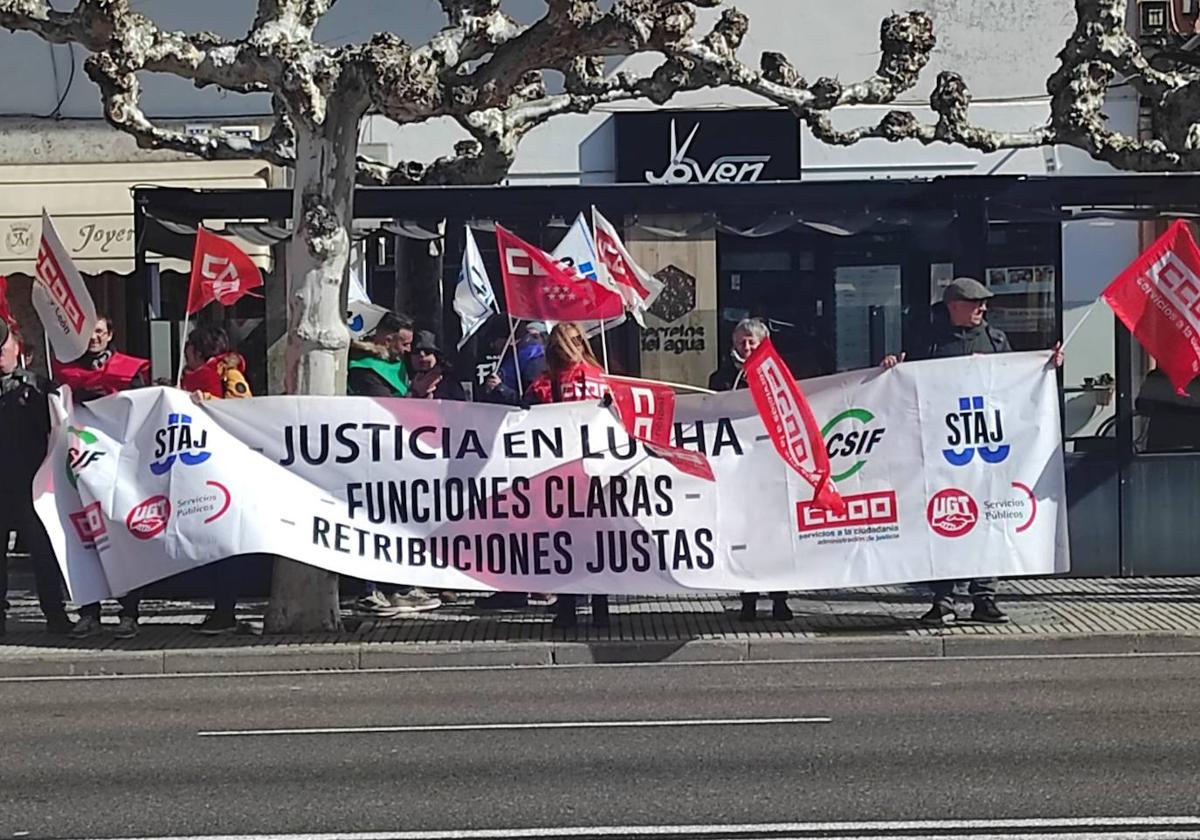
(572, 374)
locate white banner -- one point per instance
(950, 468)
(62, 301)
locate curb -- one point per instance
(408, 656)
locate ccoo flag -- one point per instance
(60, 297)
(789, 420)
(637, 287)
(538, 288)
(577, 250)
(221, 271)
(474, 299)
(1158, 299)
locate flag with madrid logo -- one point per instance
(221, 271)
(539, 288)
(637, 287)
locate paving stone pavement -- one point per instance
(1048, 615)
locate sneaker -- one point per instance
(86, 628)
(373, 603)
(939, 615)
(780, 611)
(217, 625)
(127, 628)
(59, 625)
(987, 612)
(413, 601)
(503, 601)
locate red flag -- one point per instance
(790, 422)
(1158, 299)
(221, 271)
(5, 311)
(539, 288)
(647, 409)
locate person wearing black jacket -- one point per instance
(959, 328)
(24, 439)
(430, 375)
(747, 335)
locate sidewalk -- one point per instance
(1049, 616)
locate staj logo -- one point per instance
(726, 169)
(972, 429)
(952, 513)
(148, 519)
(844, 441)
(178, 440)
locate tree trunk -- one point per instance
(304, 599)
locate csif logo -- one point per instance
(179, 441)
(843, 441)
(726, 169)
(79, 454)
(973, 429)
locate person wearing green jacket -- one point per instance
(377, 366)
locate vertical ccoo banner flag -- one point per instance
(1158, 299)
(60, 297)
(221, 271)
(790, 422)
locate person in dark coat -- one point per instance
(528, 355)
(730, 376)
(430, 374)
(959, 327)
(24, 441)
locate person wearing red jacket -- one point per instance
(213, 370)
(100, 372)
(572, 374)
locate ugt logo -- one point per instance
(973, 429)
(79, 456)
(177, 442)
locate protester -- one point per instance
(99, 372)
(572, 374)
(214, 370)
(730, 376)
(527, 355)
(960, 328)
(397, 364)
(377, 366)
(24, 439)
(430, 376)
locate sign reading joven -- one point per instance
(707, 147)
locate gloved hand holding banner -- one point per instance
(561, 498)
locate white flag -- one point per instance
(578, 250)
(362, 316)
(636, 286)
(474, 300)
(60, 297)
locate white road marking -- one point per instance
(1115, 828)
(506, 727)
(723, 663)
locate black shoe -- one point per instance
(600, 617)
(987, 612)
(564, 620)
(939, 616)
(780, 611)
(748, 612)
(86, 628)
(503, 601)
(217, 625)
(127, 628)
(59, 625)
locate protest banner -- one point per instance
(948, 468)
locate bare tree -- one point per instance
(487, 72)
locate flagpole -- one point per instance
(604, 343)
(512, 333)
(1079, 323)
(182, 345)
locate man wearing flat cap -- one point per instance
(960, 328)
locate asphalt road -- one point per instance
(780, 746)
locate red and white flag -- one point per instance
(221, 271)
(5, 310)
(1158, 299)
(62, 301)
(637, 287)
(647, 410)
(539, 288)
(790, 422)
